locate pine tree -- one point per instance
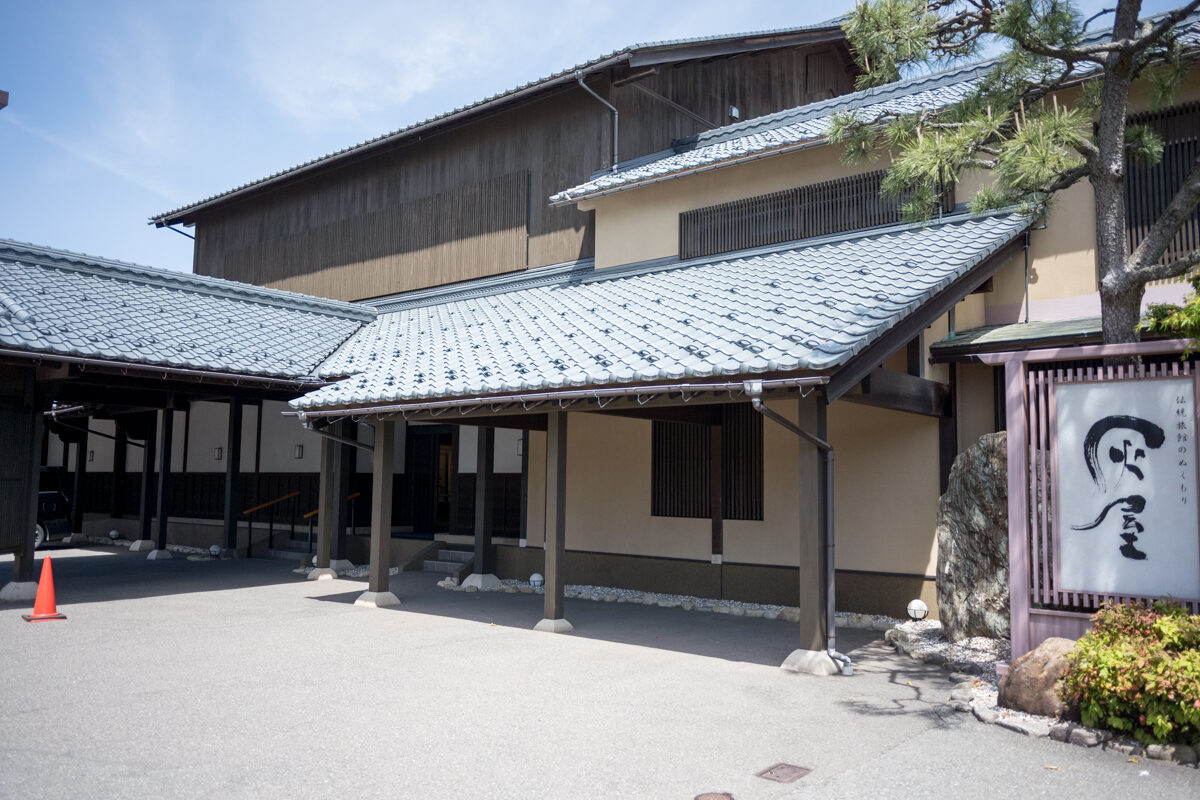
(1015, 127)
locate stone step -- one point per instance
(457, 556)
(446, 567)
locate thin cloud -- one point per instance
(82, 153)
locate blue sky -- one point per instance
(120, 110)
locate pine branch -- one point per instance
(1158, 272)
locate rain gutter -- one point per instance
(467, 404)
(197, 375)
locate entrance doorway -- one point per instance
(430, 465)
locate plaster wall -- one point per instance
(609, 494)
(885, 489)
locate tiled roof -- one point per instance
(807, 306)
(566, 75)
(56, 302)
(1017, 336)
(802, 126)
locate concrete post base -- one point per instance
(811, 662)
(377, 600)
(322, 574)
(158, 555)
(76, 538)
(141, 545)
(340, 564)
(14, 592)
(482, 582)
(554, 626)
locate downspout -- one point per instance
(616, 116)
(753, 390)
(307, 424)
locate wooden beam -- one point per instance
(896, 391)
(120, 452)
(701, 415)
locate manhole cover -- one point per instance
(784, 773)
(714, 796)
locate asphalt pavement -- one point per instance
(238, 678)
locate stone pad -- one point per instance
(158, 555)
(811, 662)
(377, 600)
(482, 582)
(141, 545)
(322, 575)
(554, 626)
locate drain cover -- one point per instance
(784, 773)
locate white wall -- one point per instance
(506, 456)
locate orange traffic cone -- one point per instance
(43, 604)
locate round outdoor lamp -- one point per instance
(536, 580)
(917, 610)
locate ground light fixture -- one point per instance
(536, 580)
(917, 610)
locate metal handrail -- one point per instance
(271, 502)
(317, 510)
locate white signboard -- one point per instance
(1125, 461)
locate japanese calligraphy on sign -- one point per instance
(1125, 460)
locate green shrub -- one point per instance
(1137, 672)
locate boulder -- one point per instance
(1031, 683)
(972, 537)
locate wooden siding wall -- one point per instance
(452, 206)
(757, 83)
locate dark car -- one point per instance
(53, 513)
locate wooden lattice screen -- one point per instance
(1148, 189)
(820, 209)
(1044, 595)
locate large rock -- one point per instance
(1032, 682)
(972, 534)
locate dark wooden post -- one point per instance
(233, 476)
(484, 462)
(146, 501)
(812, 546)
(340, 518)
(329, 506)
(120, 450)
(28, 472)
(77, 482)
(166, 433)
(377, 594)
(716, 490)
(556, 523)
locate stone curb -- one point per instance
(1041, 727)
(603, 594)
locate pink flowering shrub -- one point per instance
(1137, 672)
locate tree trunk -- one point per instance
(1120, 314)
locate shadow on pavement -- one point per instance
(93, 574)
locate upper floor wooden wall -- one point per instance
(470, 200)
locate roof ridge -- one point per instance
(66, 259)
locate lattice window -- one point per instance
(820, 209)
(680, 461)
(1148, 189)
